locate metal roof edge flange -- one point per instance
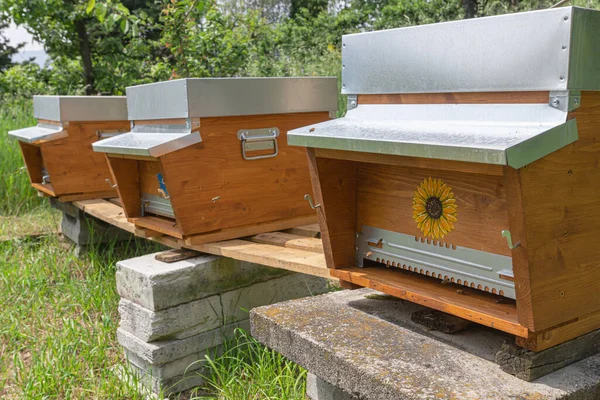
(565, 100)
(152, 140)
(481, 133)
(40, 133)
(542, 144)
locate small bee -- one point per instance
(312, 129)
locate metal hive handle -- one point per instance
(309, 198)
(110, 183)
(507, 235)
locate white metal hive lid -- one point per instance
(80, 108)
(546, 50)
(503, 134)
(39, 133)
(151, 140)
(221, 97)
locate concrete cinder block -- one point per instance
(156, 285)
(367, 348)
(180, 367)
(152, 386)
(206, 314)
(318, 389)
(85, 230)
(237, 303)
(164, 351)
(178, 322)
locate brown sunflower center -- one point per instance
(434, 207)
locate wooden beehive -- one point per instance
(465, 174)
(58, 150)
(207, 159)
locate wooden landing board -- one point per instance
(472, 305)
(275, 249)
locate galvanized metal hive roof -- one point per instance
(65, 109)
(211, 97)
(555, 51)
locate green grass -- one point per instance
(17, 196)
(58, 310)
(249, 370)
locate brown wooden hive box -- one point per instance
(465, 175)
(208, 160)
(58, 150)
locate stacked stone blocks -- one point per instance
(172, 315)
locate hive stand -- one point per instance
(58, 151)
(225, 170)
(173, 314)
(362, 345)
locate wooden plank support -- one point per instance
(287, 240)
(308, 260)
(171, 256)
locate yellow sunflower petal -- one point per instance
(418, 207)
(426, 226)
(422, 193)
(417, 199)
(441, 189)
(450, 217)
(449, 208)
(421, 218)
(430, 187)
(445, 224)
(436, 228)
(449, 201)
(445, 193)
(443, 231)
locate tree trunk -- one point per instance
(470, 7)
(86, 56)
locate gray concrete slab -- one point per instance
(156, 285)
(364, 344)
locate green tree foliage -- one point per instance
(68, 32)
(7, 51)
(102, 46)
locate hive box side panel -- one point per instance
(385, 196)
(561, 208)
(334, 188)
(125, 173)
(73, 165)
(213, 187)
(34, 163)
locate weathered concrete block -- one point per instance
(237, 303)
(178, 322)
(318, 389)
(206, 314)
(165, 351)
(86, 230)
(527, 365)
(156, 285)
(152, 386)
(368, 347)
(172, 369)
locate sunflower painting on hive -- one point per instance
(434, 208)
